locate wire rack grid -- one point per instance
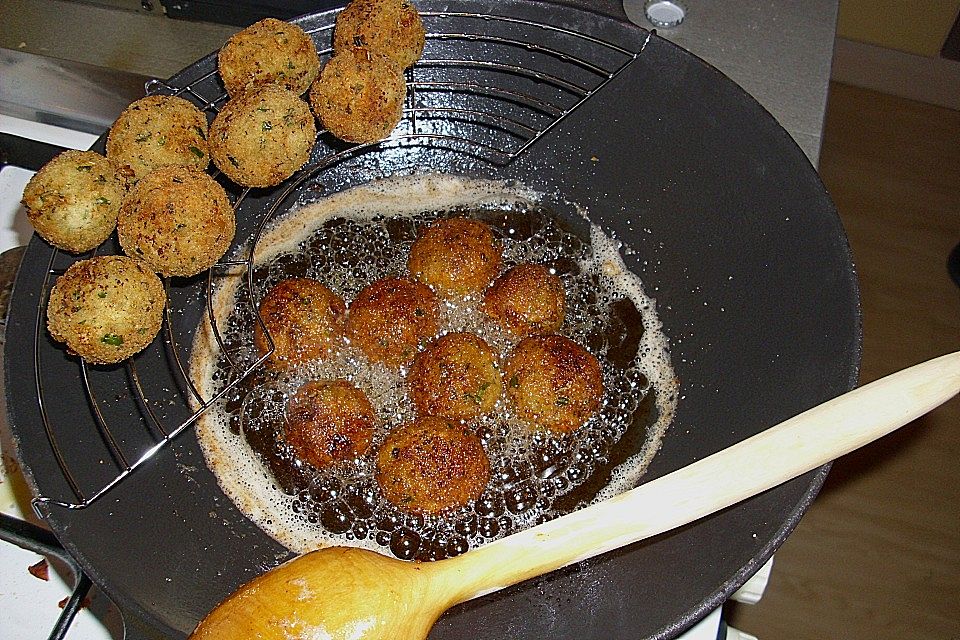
(488, 86)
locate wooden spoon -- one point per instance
(351, 594)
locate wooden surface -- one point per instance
(917, 26)
(878, 554)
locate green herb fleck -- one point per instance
(478, 396)
(514, 381)
(197, 152)
(563, 401)
(84, 167)
(266, 126)
(102, 294)
(102, 200)
(143, 137)
(112, 339)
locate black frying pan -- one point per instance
(732, 233)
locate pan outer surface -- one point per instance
(731, 231)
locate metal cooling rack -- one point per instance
(456, 100)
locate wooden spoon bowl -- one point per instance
(345, 593)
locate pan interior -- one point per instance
(720, 214)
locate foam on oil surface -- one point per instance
(352, 238)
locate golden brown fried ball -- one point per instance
(456, 377)
(553, 383)
(157, 131)
(179, 221)
(329, 422)
(391, 317)
(269, 52)
(106, 308)
(303, 318)
(359, 95)
(260, 138)
(455, 256)
(73, 200)
(526, 300)
(432, 465)
(389, 27)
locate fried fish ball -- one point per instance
(432, 465)
(268, 52)
(304, 320)
(553, 383)
(106, 308)
(157, 131)
(179, 221)
(456, 377)
(329, 421)
(391, 317)
(359, 95)
(455, 256)
(261, 137)
(389, 27)
(73, 200)
(526, 300)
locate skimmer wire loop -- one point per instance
(456, 99)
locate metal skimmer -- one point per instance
(458, 100)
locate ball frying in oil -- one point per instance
(457, 257)
(526, 300)
(390, 318)
(552, 383)
(329, 421)
(456, 377)
(432, 465)
(304, 321)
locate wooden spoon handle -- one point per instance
(752, 466)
